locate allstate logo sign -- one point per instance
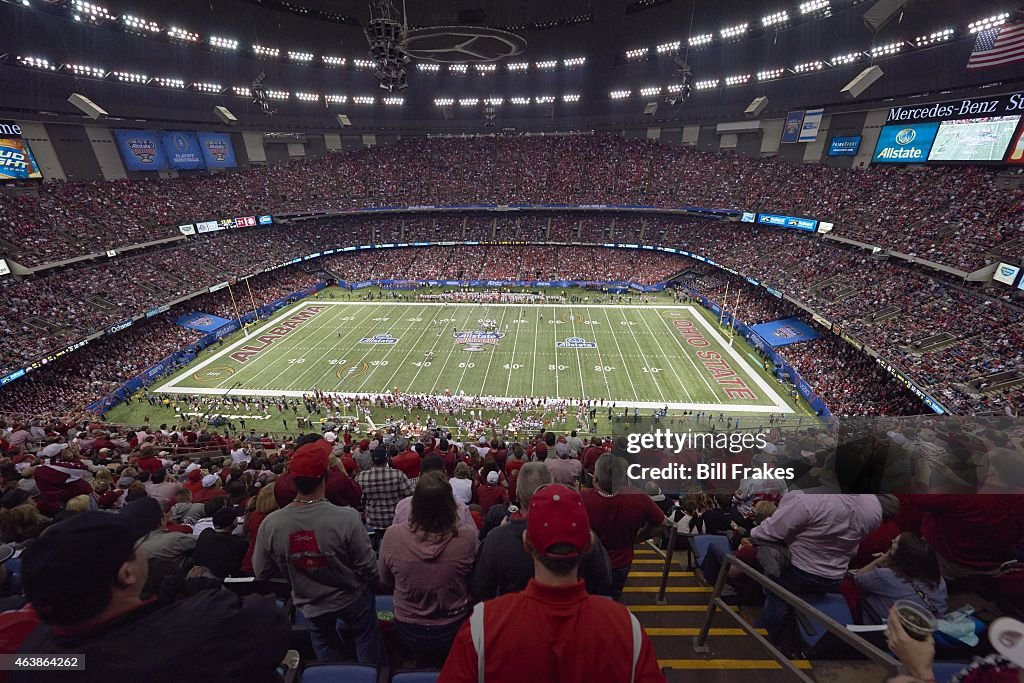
(475, 340)
(1007, 271)
(906, 136)
(786, 332)
(385, 338)
(575, 343)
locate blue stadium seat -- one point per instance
(339, 673)
(416, 677)
(702, 542)
(833, 605)
(944, 670)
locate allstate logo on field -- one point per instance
(786, 332)
(906, 136)
(384, 338)
(575, 343)
(474, 339)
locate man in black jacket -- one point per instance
(504, 566)
(84, 577)
(219, 549)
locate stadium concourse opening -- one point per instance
(544, 342)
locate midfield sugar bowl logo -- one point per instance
(144, 149)
(474, 340)
(575, 343)
(217, 149)
(384, 338)
(786, 332)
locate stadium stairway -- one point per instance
(734, 656)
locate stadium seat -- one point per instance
(339, 673)
(416, 677)
(833, 605)
(944, 671)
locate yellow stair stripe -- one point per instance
(657, 575)
(692, 631)
(648, 561)
(670, 589)
(728, 664)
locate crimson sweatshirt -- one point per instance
(549, 634)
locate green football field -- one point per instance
(644, 356)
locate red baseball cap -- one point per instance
(557, 515)
(310, 460)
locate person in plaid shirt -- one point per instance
(383, 487)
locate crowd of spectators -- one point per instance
(953, 215)
(368, 514)
(532, 526)
(76, 380)
(883, 304)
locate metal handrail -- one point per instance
(892, 665)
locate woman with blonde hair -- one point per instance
(462, 483)
(260, 505)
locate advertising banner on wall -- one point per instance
(141, 150)
(844, 146)
(217, 150)
(791, 130)
(812, 123)
(182, 150)
(905, 144)
(16, 160)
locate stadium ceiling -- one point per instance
(583, 57)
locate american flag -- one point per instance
(998, 46)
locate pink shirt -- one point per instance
(822, 530)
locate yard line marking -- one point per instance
(355, 330)
(625, 365)
(412, 347)
(689, 396)
(292, 343)
(432, 347)
(370, 349)
(533, 378)
(636, 343)
(512, 361)
(391, 349)
(579, 361)
(490, 358)
(448, 357)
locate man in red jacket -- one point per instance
(569, 635)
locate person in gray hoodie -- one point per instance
(428, 560)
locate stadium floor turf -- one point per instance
(643, 356)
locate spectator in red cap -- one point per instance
(621, 516)
(568, 634)
(325, 553)
(85, 579)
